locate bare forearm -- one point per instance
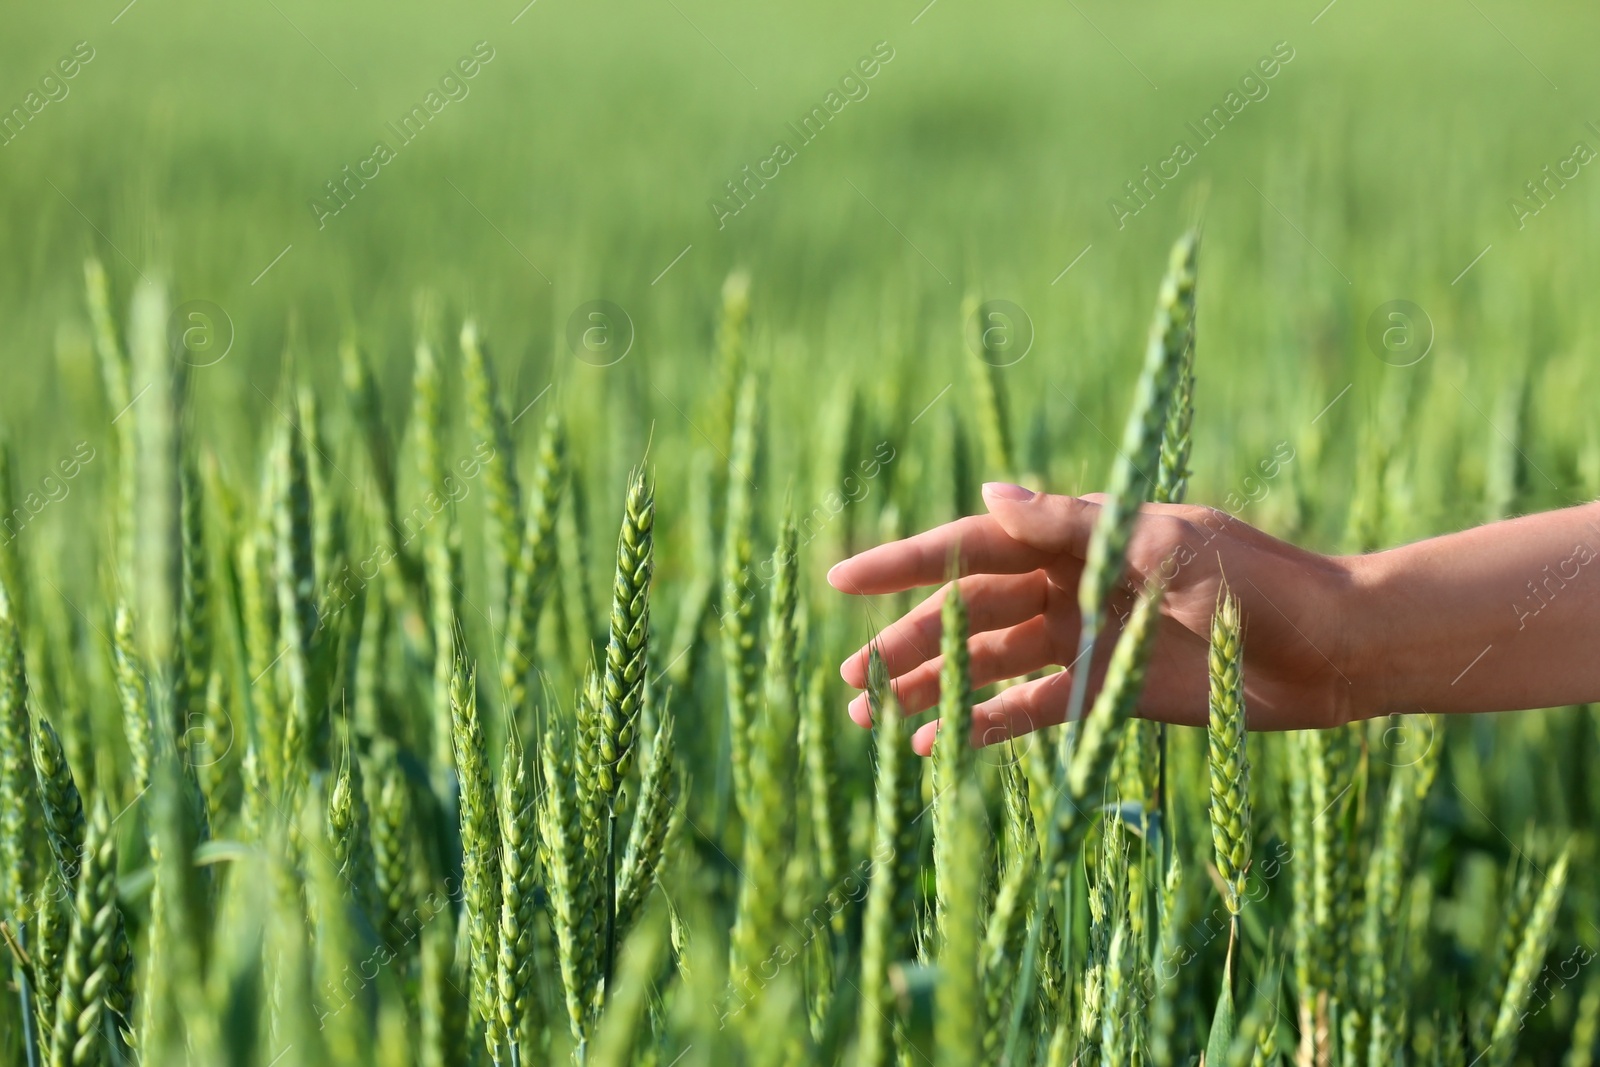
(1497, 618)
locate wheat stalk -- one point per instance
(652, 825)
(88, 974)
(628, 648)
(560, 849)
(737, 609)
(961, 1002)
(890, 920)
(503, 492)
(1229, 758)
(1139, 454)
(768, 809)
(480, 838)
(512, 1023)
(16, 769)
(532, 571)
(1526, 963)
(952, 748)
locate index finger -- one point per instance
(924, 559)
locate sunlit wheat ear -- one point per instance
(295, 567)
(628, 648)
(962, 1017)
(987, 342)
(1526, 964)
(394, 851)
(1229, 760)
(60, 801)
(625, 1028)
(1113, 707)
(1117, 1047)
(1172, 468)
(480, 838)
(16, 762)
(1004, 938)
(342, 1011)
(1087, 774)
(952, 747)
(519, 877)
(533, 567)
(1139, 455)
(774, 756)
(890, 920)
(576, 923)
(194, 621)
(442, 1008)
(11, 582)
(177, 951)
(90, 984)
(115, 371)
(737, 608)
(487, 419)
(349, 835)
(1385, 885)
(128, 673)
(733, 343)
(653, 821)
(156, 529)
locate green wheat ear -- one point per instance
(1087, 773)
(628, 648)
(60, 800)
(769, 807)
(488, 421)
(1525, 965)
(1140, 453)
(16, 767)
(572, 914)
(533, 569)
(737, 609)
(1229, 760)
(89, 981)
(480, 838)
(652, 826)
(519, 876)
(889, 925)
(962, 1018)
(952, 748)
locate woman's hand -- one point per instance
(1019, 568)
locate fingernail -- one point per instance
(1007, 491)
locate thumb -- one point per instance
(1044, 521)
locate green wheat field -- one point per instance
(426, 429)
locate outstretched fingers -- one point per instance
(994, 601)
(977, 543)
(1014, 712)
(995, 656)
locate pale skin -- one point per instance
(1501, 617)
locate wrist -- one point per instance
(1374, 614)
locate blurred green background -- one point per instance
(584, 157)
